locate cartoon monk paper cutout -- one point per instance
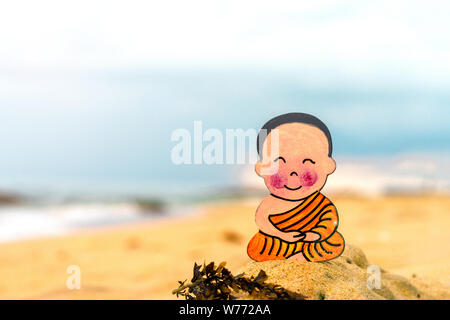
(295, 221)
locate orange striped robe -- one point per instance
(316, 214)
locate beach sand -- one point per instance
(405, 235)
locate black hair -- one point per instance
(290, 118)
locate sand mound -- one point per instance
(345, 278)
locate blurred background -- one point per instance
(91, 91)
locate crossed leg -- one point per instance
(299, 257)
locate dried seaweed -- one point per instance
(218, 283)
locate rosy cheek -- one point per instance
(308, 178)
(277, 181)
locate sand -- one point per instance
(349, 277)
(408, 236)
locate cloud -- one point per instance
(361, 37)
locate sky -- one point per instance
(92, 90)
(362, 37)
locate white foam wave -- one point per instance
(35, 221)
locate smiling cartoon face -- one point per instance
(299, 164)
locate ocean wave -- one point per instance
(30, 221)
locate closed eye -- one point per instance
(306, 160)
(280, 158)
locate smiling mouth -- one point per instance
(292, 189)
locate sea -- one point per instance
(79, 150)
